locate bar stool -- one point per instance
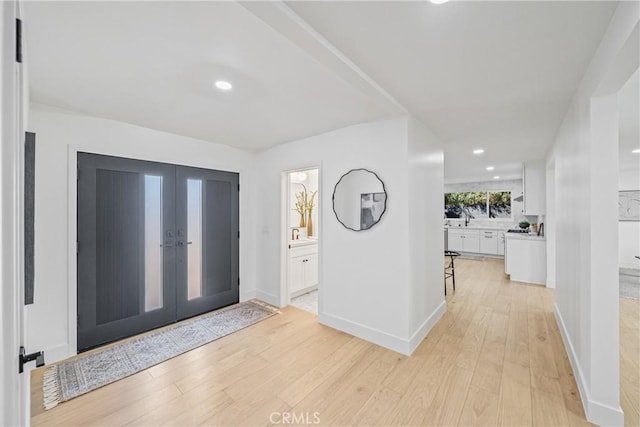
(449, 269)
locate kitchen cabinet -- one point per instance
(525, 259)
(488, 242)
(464, 240)
(303, 268)
(501, 241)
(534, 187)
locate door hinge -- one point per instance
(18, 40)
(238, 234)
(238, 187)
(24, 358)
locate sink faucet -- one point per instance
(295, 234)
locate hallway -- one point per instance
(495, 358)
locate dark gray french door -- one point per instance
(157, 243)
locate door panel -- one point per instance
(157, 243)
(125, 207)
(207, 247)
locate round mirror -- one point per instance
(359, 199)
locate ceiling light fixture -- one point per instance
(438, 1)
(490, 168)
(298, 177)
(478, 151)
(496, 177)
(223, 85)
(636, 151)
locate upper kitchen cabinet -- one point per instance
(533, 183)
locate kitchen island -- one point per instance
(525, 258)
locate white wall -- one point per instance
(365, 279)
(51, 319)
(629, 231)
(550, 224)
(585, 157)
(426, 240)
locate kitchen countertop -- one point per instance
(484, 227)
(524, 236)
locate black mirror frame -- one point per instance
(333, 197)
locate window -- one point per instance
(479, 205)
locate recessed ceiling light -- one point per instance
(636, 151)
(478, 151)
(438, 1)
(223, 85)
(490, 168)
(496, 177)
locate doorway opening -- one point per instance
(302, 231)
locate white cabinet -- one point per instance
(456, 242)
(489, 242)
(501, 241)
(525, 259)
(303, 268)
(481, 241)
(533, 183)
(464, 240)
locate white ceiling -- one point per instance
(496, 75)
(153, 64)
(629, 119)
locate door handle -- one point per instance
(183, 243)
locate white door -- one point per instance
(14, 388)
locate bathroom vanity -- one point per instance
(303, 266)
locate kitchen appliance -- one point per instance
(517, 230)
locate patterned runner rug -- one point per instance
(72, 377)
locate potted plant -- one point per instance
(524, 224)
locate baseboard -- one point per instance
(632, 265)
(268, 298)
(248, 295)
(426, 326)
(596, 412)
(58, 353)
(372, 335)
(551, 284)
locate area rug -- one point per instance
(629, 283)
(73, 377)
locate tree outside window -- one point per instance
(479, 205)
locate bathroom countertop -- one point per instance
(303, 242)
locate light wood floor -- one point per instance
(495, 358)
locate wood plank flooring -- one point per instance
(495, 358)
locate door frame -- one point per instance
(284, 235)
(15, 388)
(71, 348)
